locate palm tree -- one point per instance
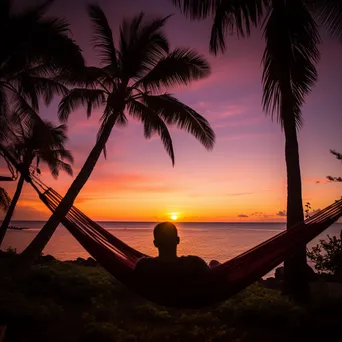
(34, 147)
(34, 50)
(289, 74)
(131, 81)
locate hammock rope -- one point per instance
(227, 279)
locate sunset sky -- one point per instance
(243, 178)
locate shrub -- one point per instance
(327, 255)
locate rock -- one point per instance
(86, 262)
(80, 261)
(279, 273)
(271, 283)
(91, 262)
(47, 258)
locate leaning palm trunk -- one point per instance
(40, 241)
(11, 208)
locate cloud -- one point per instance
(257, 213)
(242, 215)
(260, 214)
(281, 213)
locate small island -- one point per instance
(16, 228)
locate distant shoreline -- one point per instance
(176, 222)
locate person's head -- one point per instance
(165, 237)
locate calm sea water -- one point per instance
(220, 241)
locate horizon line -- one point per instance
(175, 222)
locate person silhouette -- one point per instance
(167, 265)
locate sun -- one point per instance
(174, 217)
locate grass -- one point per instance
(60, 301)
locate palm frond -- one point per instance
(66, 168)
(4, 109)
(91, 98)
(63, 54)
(37, 10)
(234, 16)
(5, 200)
(35, 87)
(181, 66)
(230, 16)
(289, 59)
(153, 123)
(23, 110)
(103, 37)
(48, 139)
(197, 9)
(334, 179)
(141, 45)
(172, 111)
(65, 155)
(87, 77)
(45, 145)
(329, 14)
(56, 165)
(336, 154)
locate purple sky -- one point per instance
(245, 173)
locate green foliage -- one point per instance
(327, 255)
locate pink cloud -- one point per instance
(246, 136)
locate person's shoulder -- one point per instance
(144, 262)
(194, 259)
(196, 264)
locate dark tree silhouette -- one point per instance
(136, 71)
(34, 50)
(289, 74)
(31, 148)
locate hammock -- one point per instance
(228, 278)
(6, 179)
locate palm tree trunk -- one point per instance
(38, 244)
(11, 208)
(295, 268)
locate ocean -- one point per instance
(220, 241)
